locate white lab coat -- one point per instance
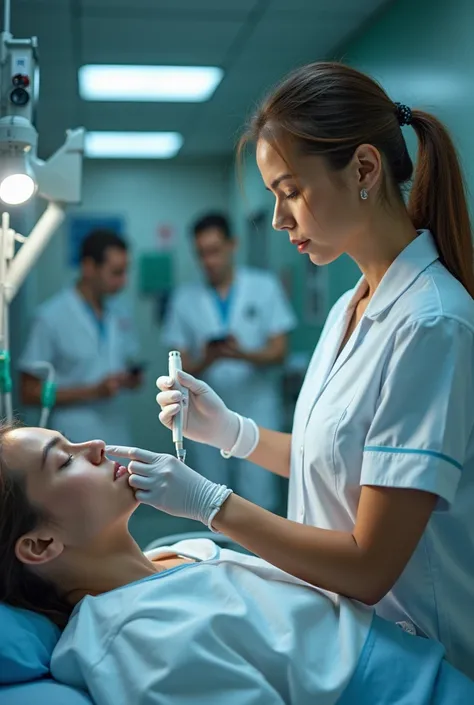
(233, 630)
(259, 310)
(396, 409)
(66, 334)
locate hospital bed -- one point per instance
(27, 641)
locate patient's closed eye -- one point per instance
(67, 462)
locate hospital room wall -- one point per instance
(146, 195)
(423, 54)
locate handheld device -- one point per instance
(136, 368)
(218, 341)
(174, 365)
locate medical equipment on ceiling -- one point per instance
(23, 174)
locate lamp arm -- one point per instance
(28, 254)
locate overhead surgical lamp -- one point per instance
(22, 174)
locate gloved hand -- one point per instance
(164, 482)
(206, 418)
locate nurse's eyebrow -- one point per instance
(275, 184)
(50, 444)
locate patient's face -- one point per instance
(74, 484)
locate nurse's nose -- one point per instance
(282, 220)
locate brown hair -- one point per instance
(20, 586)
(330, 109)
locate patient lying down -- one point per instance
(188, 624)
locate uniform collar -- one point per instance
(107, 306)
(401, 274)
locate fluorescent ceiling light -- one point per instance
(193, 84)
(132, 145)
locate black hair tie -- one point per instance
(404, 114)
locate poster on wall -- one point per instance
(316, 294)
(79, 226)
(155, 279)
(165, 237)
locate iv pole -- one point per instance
(7, 236)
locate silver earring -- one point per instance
(364, 194)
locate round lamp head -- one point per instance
(17, 178)
(16, 189)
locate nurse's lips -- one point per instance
(302, 245)
(119, 471)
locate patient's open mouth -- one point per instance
(119, 471)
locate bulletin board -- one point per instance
(155, 277)
(79, 226)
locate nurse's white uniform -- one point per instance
(396, 409)
(66, 334)
(258, 311)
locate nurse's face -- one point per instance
(320, 208)
(74, 486)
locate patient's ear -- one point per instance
(38, 547)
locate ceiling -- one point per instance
(254, 41)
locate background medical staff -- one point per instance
(232, 330)
(381, 458)
(91, 344)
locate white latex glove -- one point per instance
(164, 482)
(206, 418)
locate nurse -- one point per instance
(381, 458)
(231, 329)
(91, 343)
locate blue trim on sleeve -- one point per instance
(415, 451)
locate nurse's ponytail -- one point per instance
(438, 197)
(330, 109)
(19, 586)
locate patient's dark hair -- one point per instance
(20, 586)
